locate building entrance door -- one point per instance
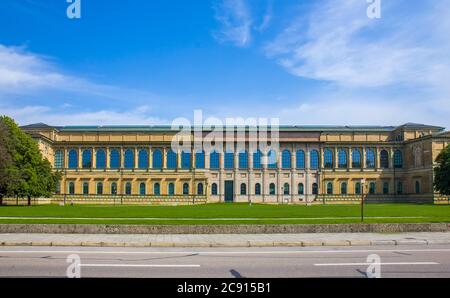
(229, 191)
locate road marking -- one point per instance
(367, 264)
(142, 265)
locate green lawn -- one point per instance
(224, 214)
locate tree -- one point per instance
(442, 172)
(26, 172)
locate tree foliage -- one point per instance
(442, 172)
(23, 170)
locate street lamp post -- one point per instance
(362, 200)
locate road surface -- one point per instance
(395, 261)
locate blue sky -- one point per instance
(148, 62)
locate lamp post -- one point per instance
(362, 199)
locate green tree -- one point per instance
(26, 173)
(442, 172)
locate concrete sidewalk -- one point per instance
(224, 240)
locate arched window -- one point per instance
(86, 157)
(330, 188)
(257, 189)
(343, 188)
(73, 159)
(143, 159)
(315, 189)
(356, 158)
(171, 189)
(185, 160)
(157, 159)
(301, 189)
(243, 160)
(214, 160)
(59, 159)
(214, 189)
(185, 188)
(370, 158)
(286, 159)
(272, 190)
(398, 159)
(114, 159)
(99, 188)
(171, 159)
(71, 188)
(272, 159)
(342, 158)
(100, 159)
(384, 159)
(128, 188)
(399, 188)
(358, 188)
(243, 189)
(257, 159)
(200, 189)
(156, 189)
(300, 159)
(328, 158)
(229, 160)
(417, 187)
(286, 189)
(114, 188)
(386, 188)
(142, 190)
(372, 188)
(200, 160)
(314, 159)
(129, 159)
(85, 188)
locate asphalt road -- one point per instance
(394, 261)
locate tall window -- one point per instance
(214, 160)
(85, 188)
(129, 159)
(73, 159)
(372, 188)
(286, 159)
(314, 159)
(330, 188)
(272, 159)
(114, 188)
(399, 188)
(301, 189)
(200, 189)
(386, 188)
(200, 159)
(272, 190)
(257, 189)
(99, 188)
(243, 189)
(257, 159)
(128, 188)
(243, 160)
(214, 189)
(229, 160)
(358, 188)
(142, 191)
(143, 159)
(157, 159)
(185, 160)
(315, 189)
(343, 188)
(384, 159)
(370, 158)
(156, 189)
(328, 158)
(417, 187)
(300, 159)
(342, 158)
(86, 159)
(59, 159)
(100, 159)
(398, 159)
(185, 188)
(171, 159)
(171, 189)
(114, 159)
(286, 189)
(58, 188)
(71, 188)
(356, 158)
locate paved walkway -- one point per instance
(224, 240)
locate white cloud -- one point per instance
(236, 22)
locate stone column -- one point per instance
(80, 158)
(94, 158)
(164, 151)
(66, 159)
(350, 158)
(136, 152)
(150, 157)
(108, 162)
